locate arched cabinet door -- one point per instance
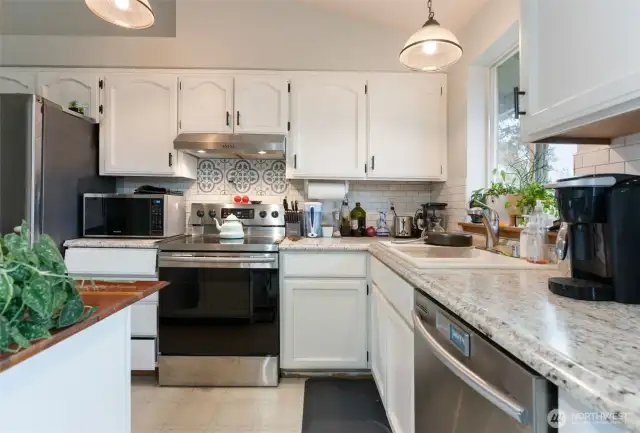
(12, 81)
(261, 104)
(139, 124)
(328, 127)
(205, 103)
(71, 90)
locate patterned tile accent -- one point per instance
(242, 176)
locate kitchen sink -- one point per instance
(435, 257)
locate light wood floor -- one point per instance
(216, 410)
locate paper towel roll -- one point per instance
(326, 190)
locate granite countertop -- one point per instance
(590, 349)
(109, 297)
(330, 244)
(111, 243)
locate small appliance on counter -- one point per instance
(313, 219)
(133, 215)
(434, 218)
(602, 213)
(403, 227)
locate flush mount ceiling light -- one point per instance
(132, 14)
(432, 48)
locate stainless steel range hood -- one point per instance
(256, 146)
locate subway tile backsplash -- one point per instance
(219, 180)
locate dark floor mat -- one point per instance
(343, 406)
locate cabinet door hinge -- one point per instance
(288, 126)
(366, 89)
(289, 87)
(101, 109)
(101, 84)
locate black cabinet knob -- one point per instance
(275, 214)
(212, 214)
(200, 213)
(263, 214)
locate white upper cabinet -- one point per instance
(65, 87)
(139, 125)
(328, 127)
(206, 103)
(407, 126)
(579, 63)
(261, 104)
(12, 81)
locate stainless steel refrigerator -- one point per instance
(48, 160)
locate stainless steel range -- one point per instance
(219, 317)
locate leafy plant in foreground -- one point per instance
(36, 294)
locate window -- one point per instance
(508, 154)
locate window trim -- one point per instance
(493, 113)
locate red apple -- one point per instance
(237, 199)
(371, 232)
(245, 199)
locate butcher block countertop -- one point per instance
(109, 297)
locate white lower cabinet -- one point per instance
(125, 264)
(325, 324)
(392, 347)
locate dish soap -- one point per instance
(358, 221)
(537, 236)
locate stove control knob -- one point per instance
(212, 214)
(275, 214)
(263, 214)
(200, 213)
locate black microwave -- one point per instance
(133, 215)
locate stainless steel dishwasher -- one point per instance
(465, 384)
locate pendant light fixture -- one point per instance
(132, 14)
(432, 48)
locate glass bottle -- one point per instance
(391, 221)
(358, 221)
(345, 219)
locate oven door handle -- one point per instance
(482, 387)
(220, 259)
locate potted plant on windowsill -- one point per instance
(529, 173)
(36, 294)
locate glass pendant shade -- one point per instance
(132, 14)
(432, 48)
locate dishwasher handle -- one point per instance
(482, 387)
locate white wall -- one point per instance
(466, 119)
(228, 34)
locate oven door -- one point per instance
(219, 319)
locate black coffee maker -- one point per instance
(602, 240)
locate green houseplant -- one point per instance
(36, 294)
(529, 173)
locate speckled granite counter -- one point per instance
(330, 244)
(111, 243)
(589, 349)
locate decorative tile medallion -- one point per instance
(256, 177)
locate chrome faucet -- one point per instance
(491, 224)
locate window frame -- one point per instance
(492, 148)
